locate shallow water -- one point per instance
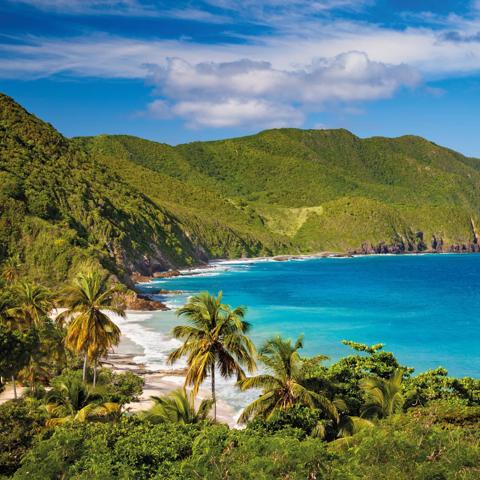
(425, 308)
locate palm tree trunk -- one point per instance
(95, 372)
(213, 393)
(84, 375)
(14, 387)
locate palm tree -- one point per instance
(72, 400)
(10, 269)
(35, 373)
(350, 425)
(383, 397)
(53, 346)
(32, 304)
(286, 383)
(91, 332)
(6, 307)
(215, 338)
(178, 407)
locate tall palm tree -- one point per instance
(91, 332)
(215, 338)
(32, 304)
(286, 383)
(383, 397)
(178, 407)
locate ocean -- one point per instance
(424, 308)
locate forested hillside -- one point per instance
(313, 190)
(136, 205)
(59, 206)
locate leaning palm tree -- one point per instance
(32, 304)
(178, 407)
(286, 383)
(91, 332)
(215, 338)
(383, 397)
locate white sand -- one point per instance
(158, 383)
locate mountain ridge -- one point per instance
(135, 205)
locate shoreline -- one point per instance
(158, 382)
(216, 262)
(161, 381)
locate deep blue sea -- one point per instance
(424, 308)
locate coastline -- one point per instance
(216, 262)
(158, 382)
(159, 379)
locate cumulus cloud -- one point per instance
(283, 76)
(233, 112)
(158, 109)
(247, 92)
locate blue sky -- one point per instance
(178, 71)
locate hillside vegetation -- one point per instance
(137, 205)
(59, 207)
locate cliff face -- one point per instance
(137, 206)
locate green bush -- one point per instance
(409, 447)
(112, 387)
(129, 449)
(242, 455)
(120, 387)
(20, 421)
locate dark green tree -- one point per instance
(16, 349)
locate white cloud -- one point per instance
(158, 109)
(254, 10)
(282, 77)
(232, 112)
(247, 92)
(91, 7)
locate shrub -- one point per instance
(19, 423)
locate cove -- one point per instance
(424, 308)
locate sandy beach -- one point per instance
(158, 382)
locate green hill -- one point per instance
(60, 206)
(136, 205)
(310, 190)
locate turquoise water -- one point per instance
(424, 308)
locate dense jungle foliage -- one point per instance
(434, 435)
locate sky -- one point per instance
(185, 70)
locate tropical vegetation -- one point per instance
(179, 407)
(364, 416)
(79, 216)
(91, 332)
(290, 381)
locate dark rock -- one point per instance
(169, 274)
(135, 301)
